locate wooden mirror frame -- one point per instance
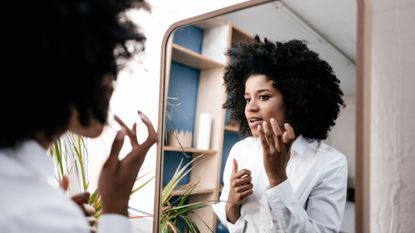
(362, 189)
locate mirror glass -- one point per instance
(199, 134)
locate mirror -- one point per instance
(198, 131)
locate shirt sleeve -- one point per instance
(109, 223)
(219, 208)
(323, 211)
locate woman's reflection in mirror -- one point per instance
(282, 177)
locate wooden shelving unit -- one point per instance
(218, 37)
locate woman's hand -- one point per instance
(276, 150)
(118, 176)
(241, 188)
(81, 200)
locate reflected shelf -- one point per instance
(197, 191)
(188, 150)
(195, 60)
(231, 128)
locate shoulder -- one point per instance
(330, 152)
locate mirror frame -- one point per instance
(362, 186)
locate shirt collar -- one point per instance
(300, 145)
(34, 156)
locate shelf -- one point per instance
(188, 150)
(197, 191)
(231, 128)
(187, 57)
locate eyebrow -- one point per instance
(259, 91)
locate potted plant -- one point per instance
(70, 157)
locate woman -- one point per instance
(282, 177)
(63, 57)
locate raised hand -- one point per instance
(240, 188)
(118, 176)
(276, 150)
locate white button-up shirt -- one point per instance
(312, 199)
(29, 203)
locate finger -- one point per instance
(246, 193)
(269, 136)
(244, 188)
(64, 183)
(242, 172)
(234, 166)
(81, 198)
(242, 181)
(88, 210)
(112, 160)
(94, 229)
(278, 133)
(152, 134)
(92, 221)
(289, 132)
(264, 143)
(131, 133)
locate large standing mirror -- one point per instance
(198, 133)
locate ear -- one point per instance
(93, 130)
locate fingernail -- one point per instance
(272, 120)
(121, 134)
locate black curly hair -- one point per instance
(311, 93)
(58, 54)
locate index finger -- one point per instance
(152, 134)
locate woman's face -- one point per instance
(263, 102)
(95, 128)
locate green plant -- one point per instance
(175, 211)
(70, 154)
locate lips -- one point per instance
(254, 121)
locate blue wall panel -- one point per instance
(190, 37)
(182, 93)
(171, 163)
(229, 139)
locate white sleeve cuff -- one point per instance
(282, 200)
(238, 226)
(109, 223)
(281, 193)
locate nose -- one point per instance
(252, 106)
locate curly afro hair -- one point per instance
(58, 54)
(310, 90)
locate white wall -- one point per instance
(343, 135)
(392, 158)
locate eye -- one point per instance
(247, 100)
(263, 97)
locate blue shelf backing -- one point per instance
(182, 93)
(229, 139)
(190, 37)
(171, 163)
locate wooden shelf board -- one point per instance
(190, 58)
(231, 128)
(189, 150)
(194, 192)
